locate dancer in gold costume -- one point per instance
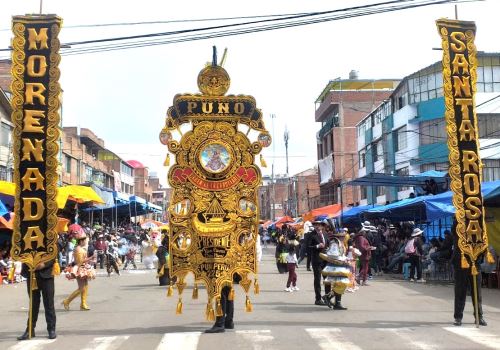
(82, 271)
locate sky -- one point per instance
(123, 96)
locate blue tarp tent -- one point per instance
(354, 214)
(427, 208)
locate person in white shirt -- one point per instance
(291, 263)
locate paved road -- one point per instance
(132, 312)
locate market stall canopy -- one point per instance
(352, 215)
(377, 179)
(77, 193)
(327, 211)
(428, 208)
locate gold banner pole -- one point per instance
(475, 292)
(30, 311)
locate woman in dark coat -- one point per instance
(163, 270)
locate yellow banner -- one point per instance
(35, 105)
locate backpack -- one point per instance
(410, 246)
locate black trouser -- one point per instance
(317, 280)
(463, 278)
(416, 263)
(101, 256)
(227, 309)
(308, 261)
(46, 289)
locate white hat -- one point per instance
(366, 223)
(417, 232)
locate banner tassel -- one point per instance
(195, 291)
(231, 294)
(161, 272)
(256, 287)
(12, 273)
(263, 162)
(178, 311)
(170, 291)
(210, 312)
(248, 305)
(219, 311)
(34, 285)
(464, 264)
(56, 269)
(489, 258)
(167, 160)
(473, 270)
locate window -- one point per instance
(401, 139)
(489, 126)
(491, 169)
(435, 166)
(433, 131)
(5, 135)
(380, 190)
(378, 151)
(88, 174)
(67, 165)
(125, 169)
(403, 172)
(363, 192)
(362, 159)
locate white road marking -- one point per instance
(476, 335)
(183, 341)
(260, 339)
(106, 343)
(32, 344)
(406, 334)
(331, 339)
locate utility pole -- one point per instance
(286, 137)
(273, 199)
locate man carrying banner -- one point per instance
(43, 286)
(464, 281)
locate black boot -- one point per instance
(327, 300)
(218, 327)
(482, 322)
(52, 334)
(229, 324)
(338, 306)
(458, 322)
(26, 336)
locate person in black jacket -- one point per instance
(304, 245)
(463, 281)
(318, 242)
(45, 289)
(163, 270)
(225, 321)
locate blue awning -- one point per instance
(379, 179)
(428, 208)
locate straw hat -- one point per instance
(416, 232)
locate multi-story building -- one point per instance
(80, 161)
(339, 107)
(141, 180)
(160, 195)
(406, 134)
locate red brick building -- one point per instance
(339, 107)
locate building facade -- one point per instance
(340, 106)
(406, 134)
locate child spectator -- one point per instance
(291, 262)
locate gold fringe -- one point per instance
(34, 285)
(178, 311)
(195, 291)
(219, 311)
(473, 270)
(167, 160)
(256, 287)
(170, 291)
(248, 305)
(464, 264)
(263, 162)
(56, 269)
(161, 272)
(489, 258)
(231, 294)
(207, 311)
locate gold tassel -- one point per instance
(262, 162)
(178, 311)
(195, 291)
(489, 258)
(248, 305)
(167, 160)
(219, 311)
(207, 311)
(256, 287)
(473, 270)
(34, 285)
(161, 272)
(211, 313)
(231, 294)
(464, 264)
(170, 291)
(12, 273)
(56, 269)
